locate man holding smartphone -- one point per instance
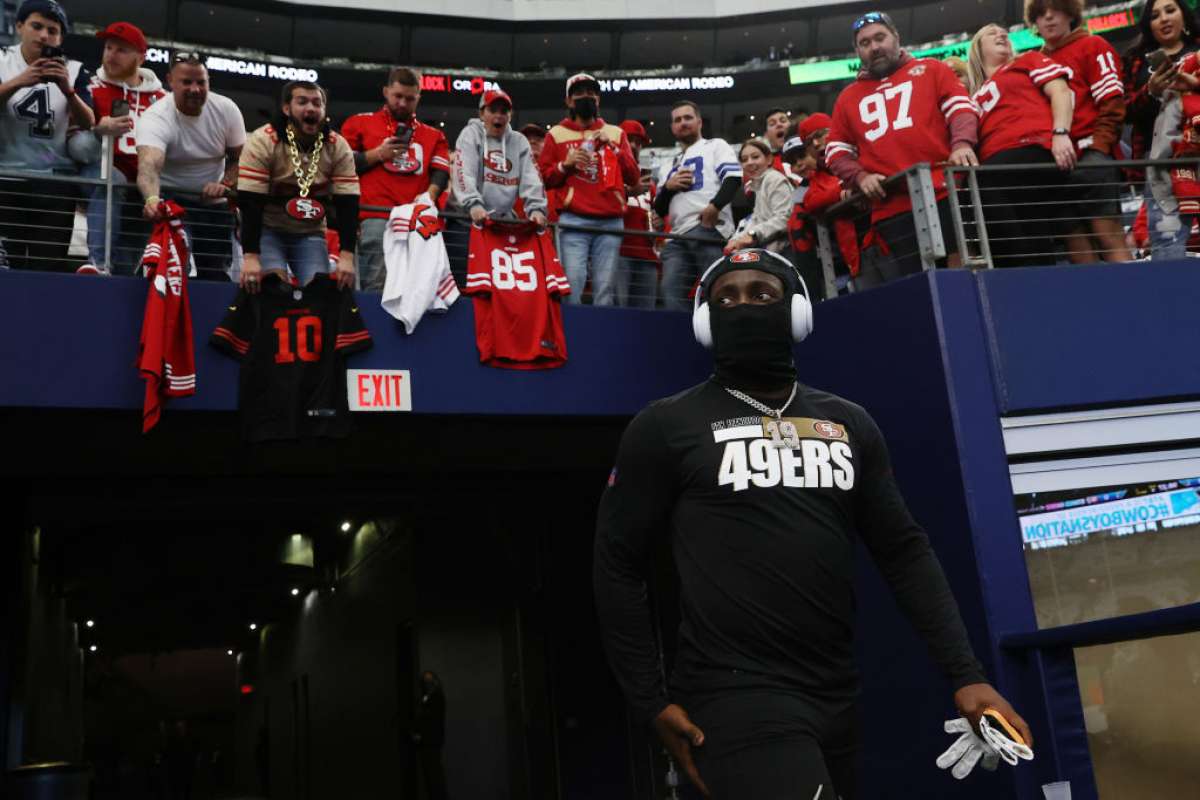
(42, 93)
(122, 90)
(398, 157)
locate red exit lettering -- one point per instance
(433, 83)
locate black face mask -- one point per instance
(752, 345)
(585, 107)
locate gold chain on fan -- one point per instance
(304, 181)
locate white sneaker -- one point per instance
(92, 269)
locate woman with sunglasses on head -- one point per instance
(766, 225)
(1025, 105)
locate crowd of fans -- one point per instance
(300, 196)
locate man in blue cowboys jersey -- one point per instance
(765, 486)
(42, 93)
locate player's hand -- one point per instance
(972, 699)
(709, 216)
(54, 71)
(388, 149)
(478, 214)
(214, 191)
(679, 735)
(737, 243)
(31, 75)
(538, 218)
(681, 181)
(871, 185)
(964, 156)
(345, 270)
(251, 273)
(1063, 150)
(153, 211)
(113, 126)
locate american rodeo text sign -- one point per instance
(379, 389)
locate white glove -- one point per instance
(967, 751)
(1006, 741)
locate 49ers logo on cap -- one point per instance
(305, 209)
(745, 257)
(828, 430)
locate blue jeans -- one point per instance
(576, 249)
(305, 254)
(128, 230)
(684, 260)
(368, 256)
(1168, 232)
(637, 283)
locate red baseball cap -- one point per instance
(634, 128)
(126, 32)
(584, 78)
(491, 96)
(813, 123)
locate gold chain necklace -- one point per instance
(304, 180)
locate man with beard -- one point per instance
(42, 93)
(764, 485)
(589, 162)
(398, 158)
(899, 112)
(291, 170)
(188, 147)
(122, 90)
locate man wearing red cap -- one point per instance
(121, 90)
(493, 165)
(637, 276)
(398, 157)
(592, 163)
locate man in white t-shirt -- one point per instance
(188, 146)
(693, 195)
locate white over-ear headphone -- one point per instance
(802, 319)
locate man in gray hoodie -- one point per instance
(493, 168)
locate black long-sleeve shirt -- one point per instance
(763, 539)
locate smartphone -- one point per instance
(1156, 58)
(51, 51)
(404, 133)
(120, 107)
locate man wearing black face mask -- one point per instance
(765, 484)
(590, 164)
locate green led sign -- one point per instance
(844, 69)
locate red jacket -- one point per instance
(600, 191)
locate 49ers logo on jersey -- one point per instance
(496, 161)
(749, 459)
(305, 209)
(744, 257)
(410, 162)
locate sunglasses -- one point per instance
(187, 57)
(874, 17)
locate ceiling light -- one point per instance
(346, 527)
(93, 648)
(295, 592)
(91, 623)
(229, 652)
(253, 626)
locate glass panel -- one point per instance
(1100, 552)
(1141, 700)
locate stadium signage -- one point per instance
(844, 69)
(667, 84)
(379, 389)
(1055, 528)
(237, 66)
(449, 83)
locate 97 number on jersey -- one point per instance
(873, 110)
(513, 271)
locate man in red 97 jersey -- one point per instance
(1095, 184)
(121, 90)
(518, 284)
(899, 112)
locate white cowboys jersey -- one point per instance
(711, 161)
(418, 269)
(33, 128)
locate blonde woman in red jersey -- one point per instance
(1025, 107)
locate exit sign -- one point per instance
(379, 389)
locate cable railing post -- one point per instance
(960, 232)
(985, 246)
(825, 251)
(106, 172)
(925, 214)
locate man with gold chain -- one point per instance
(293, 173)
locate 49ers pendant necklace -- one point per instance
(783, 432)
(304, 208)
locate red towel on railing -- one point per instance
(166, 355)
